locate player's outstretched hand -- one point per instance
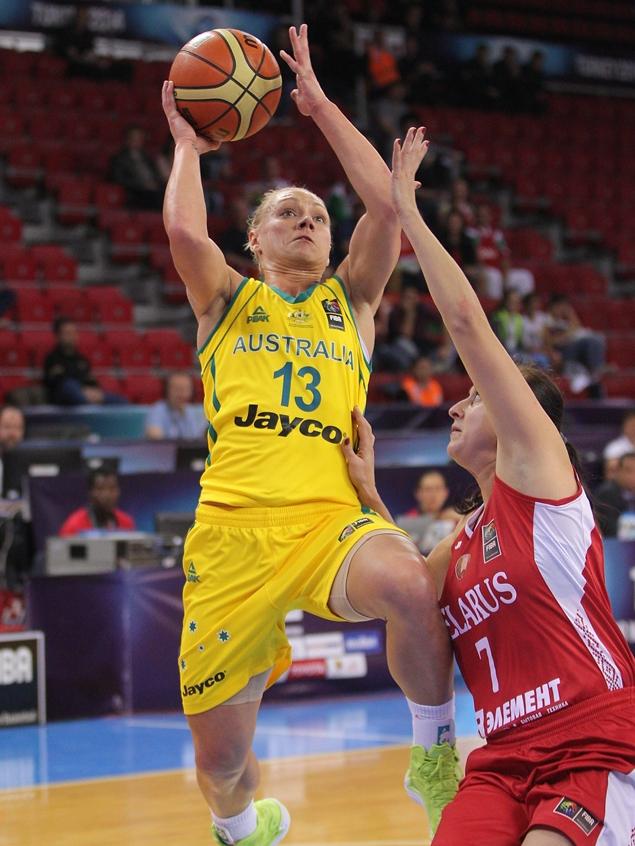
(361, 462)
(308, 95)
(179, 127)
(406, 158)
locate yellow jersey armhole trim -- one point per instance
(352, 315)
(220, 320)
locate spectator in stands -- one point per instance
(493, 254)
(11, 430)
(419, 385)
(507, 323)
(420, 75)
(458, 241)
(381, 63)
(459, 201)
(67, 374)
(413, 331)
(534, 98)
(135, 169)
(388, 111)
(234, 239)
(534, 323)
(508, 80)
(76, 44)
(476, 86)
(579, 351)
(616, 501)
(7, 302)
(101, 513)
(16, 536)
(432, 519)
(175, 416)
(618, 447)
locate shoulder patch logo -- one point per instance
(333, 313)
(491, 544)
(258, 315)
(577, 814)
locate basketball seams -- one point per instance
(213, 64)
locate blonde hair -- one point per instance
(266, 204)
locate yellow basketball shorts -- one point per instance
(245, 568)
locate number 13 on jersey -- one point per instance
(311, 379)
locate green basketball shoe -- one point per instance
(273, 825)
(433, 778)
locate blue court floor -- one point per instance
(118, 746)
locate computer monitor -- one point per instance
(191, 457)
(173, 524)
(27, 461)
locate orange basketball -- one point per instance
(227, 84)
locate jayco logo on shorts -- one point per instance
(197, 689)
(16, 666)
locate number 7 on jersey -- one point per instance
(482, 645)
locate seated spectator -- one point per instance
(419, 73)
(413, 331)
(7, 302)
(76, 44)
(459, 201)
(458, 241)
(387, 113)
(16, 537)
(534, 98)
(67, 375)
(507, 323)
(420, 386)
(579, 351)
(174, 417)
(616, 501)
(134, 169)
(232, 240)
(101, 513)
(432, 519)
(534, 323)
(476, 87)
(618, 447)
(508, 80)
(493, 254)
(381, 64)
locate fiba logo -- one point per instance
(16, 666)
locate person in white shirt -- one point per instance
(620, 446)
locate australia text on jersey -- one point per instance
(290, 345)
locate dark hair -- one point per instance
(551, 401)
(60, 322)
(103, 472)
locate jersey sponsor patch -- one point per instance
(577, 814)
(491, 544)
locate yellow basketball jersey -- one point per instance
(281, 376)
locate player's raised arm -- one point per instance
(531, 454)
(199, 261)
(375, 243)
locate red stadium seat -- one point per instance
(19, 266)
(128, 241)
(13, 353)
(128, 349)
(144, 389)
(73, 303)
(24, 166)
(33, 306)
(10, 226)
(95, 348)
(58, 267)
(74, 200)
(10, 383)
(38, 344)
(108, 382)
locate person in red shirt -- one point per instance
(101, 512)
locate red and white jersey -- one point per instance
(527, 609)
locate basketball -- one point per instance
(227, 84)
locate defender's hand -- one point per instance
(406, 159)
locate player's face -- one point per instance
(472, 439)
(105, 493)
(296, 232)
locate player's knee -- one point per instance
(408, 587)
(222, 762)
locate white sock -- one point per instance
(432, 723)
(233, 829)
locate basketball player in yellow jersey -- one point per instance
(284, 360)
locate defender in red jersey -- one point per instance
(523, 598)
